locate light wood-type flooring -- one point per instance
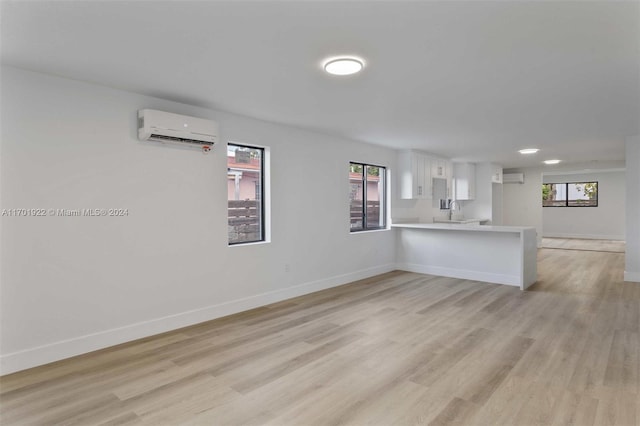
(397, 349)
(615, 246)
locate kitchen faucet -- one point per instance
(453, 205)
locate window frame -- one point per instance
(383, 201)
(262, 210)
(566, 201)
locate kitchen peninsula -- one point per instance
(495, 254)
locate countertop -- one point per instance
(459, 221)
(463, 227)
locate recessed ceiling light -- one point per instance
(343, 66)
(529, 151)
(551, 161)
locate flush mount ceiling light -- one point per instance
(343, 66)
(529, 151)
(551, 161)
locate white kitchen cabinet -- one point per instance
(449, 166)
(442, 169)
(415, 175)
(438, 168)
(496, 174)
(464, 179)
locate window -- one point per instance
(367, 197)
(554, 194)
(570, 194)
(245, 193)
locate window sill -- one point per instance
(254, 243)
(369, 231)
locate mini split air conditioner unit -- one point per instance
(513, 178)
(160, 126)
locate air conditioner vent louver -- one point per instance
(160, 138)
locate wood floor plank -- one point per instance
(124, 419)
(254, 382)
(623, 363)
(485, 381)
(539, 406)
(401, 348)
(504, 405)
(456, 412)
(617, 408)
(575, 410)
(171, 404)
(435, 368)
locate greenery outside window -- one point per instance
(570, 194)
(367, 197)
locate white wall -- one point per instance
(481, 207)
(603, 222)
(422, 211)
(74, 284)
(497, 203)
(632, 256)
(522, 205)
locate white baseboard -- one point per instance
(460, 273)
(631, 276)
(584, 236)
(45, 354)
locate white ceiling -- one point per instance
(469, 80)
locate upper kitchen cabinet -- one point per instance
(496, 175)
(442, 169)
(415, 175)
(438, 168)
(464, 179)
(449, 179)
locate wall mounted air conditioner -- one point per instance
(513, 178)
(166, 127)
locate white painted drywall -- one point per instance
(632, 256)
(481, 206)
(497, 207)
(422, 211)
(74, 284)
(522, 201)
(607, 221)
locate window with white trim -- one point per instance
(245, 194)
(367, 197)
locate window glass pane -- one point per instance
(574, 194)
(244, 193)
(583, 194)
(367, 197)
(554, 194)
(356, 196)
(375, 197)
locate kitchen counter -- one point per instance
(460, 221)
(456, 226)
(495, 254)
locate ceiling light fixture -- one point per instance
(343, 66)
(551, 161)
(529, 151)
